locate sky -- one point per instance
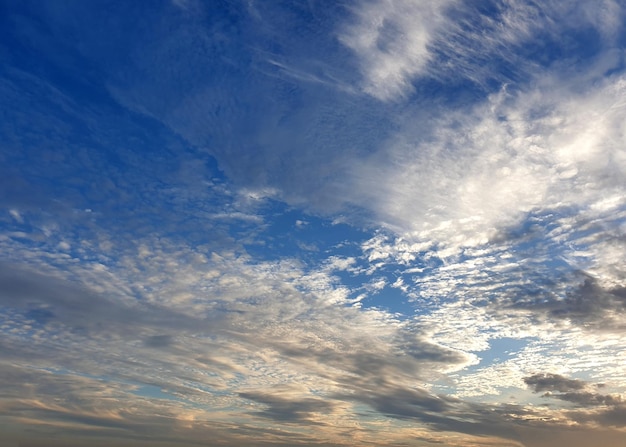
(311, 223)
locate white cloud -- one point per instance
(607, 16)
(16, 215)
(483, 171)
(397, 42)
(391, 40)
(202, 327)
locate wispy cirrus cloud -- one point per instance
(487, 170)
(398, 44)
(391, 41)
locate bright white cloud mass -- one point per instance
(313, 223)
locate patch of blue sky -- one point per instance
(290, 232)
(41, 316)
(67, 70)
(24, 324)
(386, 289)
(236, 380)
(391, 300)
(208, 390)
(154, 392)
(500, 350)
(576, 44)
(134, 161)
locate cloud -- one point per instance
(92, 329)
(285, 410)
(486, 170)
(581, 394)
(159, 341)
(323, 176)
(47, 300)
(613, 417)
(391, 40)
(587, 399)
(131, 286)
(403, 403)
(399, 44)
(299, 334)
(587, 304)
(553, 382)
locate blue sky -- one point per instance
(313, 223)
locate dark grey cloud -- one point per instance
(407, 355)
(582, 395)
(444, 413)
(587, 399)
(586, 302)
(288, 410)
(553, 382)
(159, 341)
(613, 417)
(47, 299)
(403, 402)
(420, 357)
(590, 302)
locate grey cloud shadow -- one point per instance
(439, 412)
(577, 392)
(400, 402)
(159, 341)
(287, 410)
(50, 300)
(587, 399)
(588, 304)
(553, 382)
